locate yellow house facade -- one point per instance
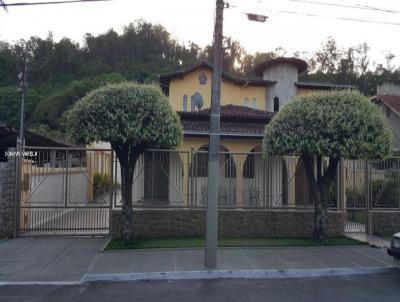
(189, 90)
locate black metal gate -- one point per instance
(64, 191)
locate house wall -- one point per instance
(394, 122)
(305, 91)
(230, 93)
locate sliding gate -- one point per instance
(64, 191)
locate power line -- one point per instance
(339, 18)
(333, 17)
(47, 2)
(354, 6)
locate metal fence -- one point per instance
(71, 191)
(170, 178)
(369, 185)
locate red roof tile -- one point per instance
(392, 101)
(235, 120)
(226, 128)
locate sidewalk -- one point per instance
(371, 239)
(73, 260)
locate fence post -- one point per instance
(192, 169)
(239, 189)
(111, 179)
(66, 177)
(188, 200)
(368, 199)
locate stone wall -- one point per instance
(385, 222)
(7, 198)
(232, 223)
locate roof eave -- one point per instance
(323, 85)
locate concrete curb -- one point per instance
(239, 274)
(40, 283)
(212, 275)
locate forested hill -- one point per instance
(62, 72)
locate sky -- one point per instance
(192, 20)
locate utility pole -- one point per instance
(22, 87)
(213, 150)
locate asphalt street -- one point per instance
(382, 287)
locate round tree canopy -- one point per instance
(126, 113)
(340, 123)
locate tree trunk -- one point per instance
(127, 213)
(320, 214)
(320, 183)
(127, 156)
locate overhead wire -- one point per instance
(48, 2)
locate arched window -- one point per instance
(197, 101)
(185, 104)
(276, 104)
(248, 169)
(199, 166)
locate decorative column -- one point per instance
(239, 180)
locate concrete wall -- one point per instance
(385, 222)
(232, 223)
(7, 198)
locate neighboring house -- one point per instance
(9, 135)
(388, 98)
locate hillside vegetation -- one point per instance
(61, 72)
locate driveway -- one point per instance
(47, 259)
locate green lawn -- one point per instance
(157, 243)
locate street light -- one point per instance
(256, 17)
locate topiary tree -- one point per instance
(327, 125)
(132, 118)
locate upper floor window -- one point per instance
(276, 104)
(185, 103)
(246, 102)
(254, 103)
